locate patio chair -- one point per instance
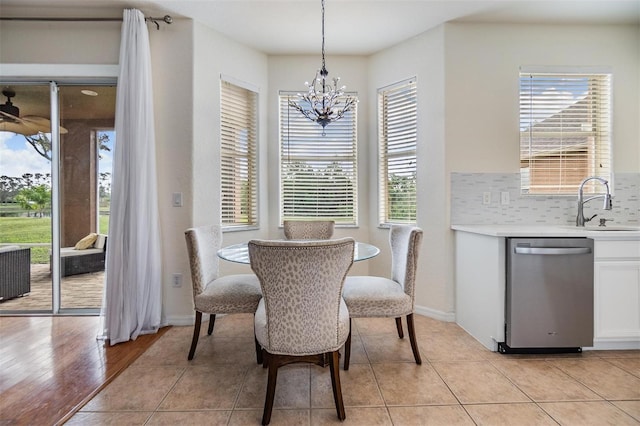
(15, 272)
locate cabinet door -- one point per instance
(617, 300)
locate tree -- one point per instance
(42, 144)
(37, 198)
(402, 195)
(9, 187)
(23, 199)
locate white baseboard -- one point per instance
(438, 315)
(182, 320)
(613, 344)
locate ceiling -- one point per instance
(353, 27)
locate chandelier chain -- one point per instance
(323, 62)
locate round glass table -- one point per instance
(239, 253)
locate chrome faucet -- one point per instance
(580, 219)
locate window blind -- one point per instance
(397, 139)
(238, 155)
(318, 173)
(565, 131)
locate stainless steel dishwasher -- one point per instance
(549, 295)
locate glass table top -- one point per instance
(239, 253)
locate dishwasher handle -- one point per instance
(554, 251)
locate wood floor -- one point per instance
(51, 366)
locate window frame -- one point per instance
(294, 132)
(407, 149)
(244, 151)
(580, 132)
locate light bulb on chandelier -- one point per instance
(324, 102)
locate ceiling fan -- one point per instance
(29, 125)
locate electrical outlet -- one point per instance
(177, 280)
(504, 198)
(486, 198)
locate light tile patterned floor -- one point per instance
(458, 383)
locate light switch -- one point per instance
(486, 198)
(504, 198)
(177, 199)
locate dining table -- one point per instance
(239, 253)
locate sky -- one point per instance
(17, 157)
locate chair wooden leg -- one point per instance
(196, 334)
(258, 352)
(347, 348)
(399, 327)
(271, 388)
(412, 338)
(334, 364)
(212, 321)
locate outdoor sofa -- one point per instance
(15, 272)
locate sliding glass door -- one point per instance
(25, 199)
(55, 194)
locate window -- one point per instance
(318, 167)
(238, 152)
(397, 138)
(564, 131)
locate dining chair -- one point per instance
(308, 229)
(230, 294)
(301, 316)
(370, 296)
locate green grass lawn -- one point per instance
(22, 230)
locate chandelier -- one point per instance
(324, 102)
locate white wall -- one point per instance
(211, 55)
(468, 115)
(172, 56)
(422, 57)
(467, 106)
(482, 62)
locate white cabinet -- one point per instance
(481, 278)
(617, 294)
(480, 287)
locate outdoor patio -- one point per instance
(78, 291)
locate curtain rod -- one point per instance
(166, 19)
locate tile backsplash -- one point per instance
(470, 193)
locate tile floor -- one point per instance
(458, 383)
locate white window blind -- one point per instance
(565, 131)
(397, 139)
(318, 173)
(238, 153)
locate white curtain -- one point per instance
(133, 293)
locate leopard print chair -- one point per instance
(231, 294)
(308, 229)
(302, 316)
(368, 296)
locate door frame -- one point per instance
(56, 75)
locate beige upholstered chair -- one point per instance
(213, 295)
(308, 229)
(302, 316)
(368, 296)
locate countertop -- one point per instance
(621, 232)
